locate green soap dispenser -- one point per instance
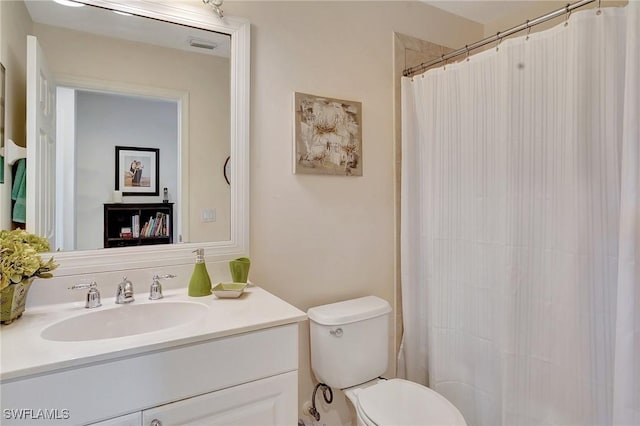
(200, 284)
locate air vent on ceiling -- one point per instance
(202, 44)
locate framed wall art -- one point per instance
(137, 170)
(328, 136)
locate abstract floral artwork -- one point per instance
(328, 136)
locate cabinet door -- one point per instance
(267, 402)
(133, 419)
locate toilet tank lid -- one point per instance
(349, 311)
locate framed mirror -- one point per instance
(186, 169)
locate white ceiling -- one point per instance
(481, 11)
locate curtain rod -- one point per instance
(498, 37)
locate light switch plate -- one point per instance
(208, 215)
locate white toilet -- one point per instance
(349, 351)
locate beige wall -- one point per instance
(321, 239)
(14, 27)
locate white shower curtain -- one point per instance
(521, 227)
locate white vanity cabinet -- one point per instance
(248, 379)
(133, 419)
(266, 402)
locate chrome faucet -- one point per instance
(93, 295)
(155, 292)
(124, 294)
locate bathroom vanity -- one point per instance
(178, 360)
(231, 361)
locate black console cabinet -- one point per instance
(148, 223)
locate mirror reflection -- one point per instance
(142, 126)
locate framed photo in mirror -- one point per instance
(137, 170)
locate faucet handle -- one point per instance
(155, 292)
(81, 286)
(161, 277)
(93, 295)
(126, 282)
(124, 291)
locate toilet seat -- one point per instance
(399, 402)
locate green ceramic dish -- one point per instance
(229, 290)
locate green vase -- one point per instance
(13, 299)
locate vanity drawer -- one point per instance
(107, 389)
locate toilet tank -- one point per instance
(349, 341)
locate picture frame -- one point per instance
(327, 136)
(137, 171)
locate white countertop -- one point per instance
(24, 352)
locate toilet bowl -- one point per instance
(349, 351)
(398, 402)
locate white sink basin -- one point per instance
(124, 320)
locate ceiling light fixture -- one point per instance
(122, 13)
(69, 3)
(216, 5)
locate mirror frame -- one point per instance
(117, 259)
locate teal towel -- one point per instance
(1, 169)
(19, 192)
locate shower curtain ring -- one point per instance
(499, 41)
(566, 21)
(528, 30)
(443, 62)
(466, 46)
(599, 11)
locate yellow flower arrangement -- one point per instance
(20, 258)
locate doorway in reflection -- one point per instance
(90, 126)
